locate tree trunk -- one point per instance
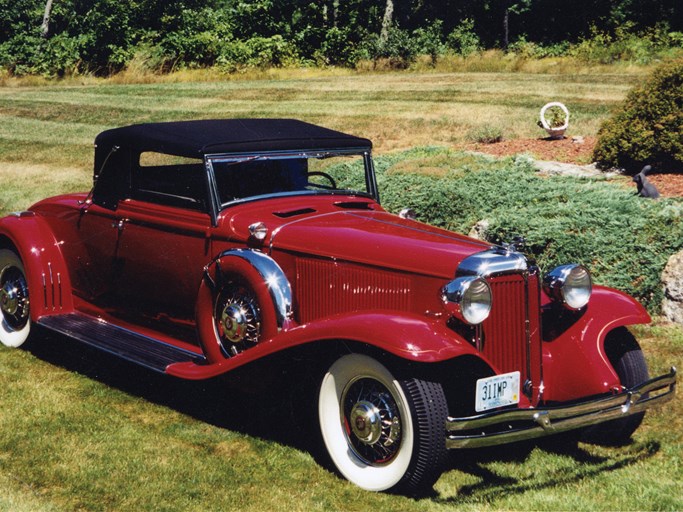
(330, 11)
(506, 29)
(387, 21)
(45, 26)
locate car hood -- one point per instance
(379, 239)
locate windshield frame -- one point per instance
(221, 158)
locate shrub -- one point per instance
(338, 48)
(257, 52)
(397, 51)
(627, 45)
(428, 41)
(486, 134)
(530, 50)
(648, 127)
(463, 40)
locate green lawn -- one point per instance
(81, 431)
(55, 124)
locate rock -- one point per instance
(564, 169)
(577, 139)
(479, 230)
(672, 279)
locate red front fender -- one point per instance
(574, 362)
(410, 337)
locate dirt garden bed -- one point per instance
(572, 150)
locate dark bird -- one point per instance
(645, 188)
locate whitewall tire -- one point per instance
(382, 433)
(15, 322)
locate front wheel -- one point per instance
(15, 323)
(382, 433)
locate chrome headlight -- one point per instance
(570, 285)
(468, 298)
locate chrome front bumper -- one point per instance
(508, 426)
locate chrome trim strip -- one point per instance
(44, 291)
(52, 283)
(553, 420)
(278, 285)
(212, 189)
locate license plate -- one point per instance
(497, 391)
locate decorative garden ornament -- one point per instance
(554, 119)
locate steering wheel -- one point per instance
(331, 186)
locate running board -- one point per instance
(131, 346)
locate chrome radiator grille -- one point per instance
(505, 331)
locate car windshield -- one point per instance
(241, 177)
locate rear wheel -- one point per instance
(15, 323)
(382, 433)
(628, 361)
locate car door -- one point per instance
(164, 242)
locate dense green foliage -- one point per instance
(624, 240)
(104, 36)
(649, 126)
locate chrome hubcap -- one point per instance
(372, 421)
(365, 422)
(234, 321)
(9, 299)
(238, 320)
(14, 303)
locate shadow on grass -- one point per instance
(265, 399)
(581, 465)
(274, 400)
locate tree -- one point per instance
(387, 21)
(45, 27)
(512, 7)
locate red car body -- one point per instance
(163, 267)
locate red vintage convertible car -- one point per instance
(206, 245)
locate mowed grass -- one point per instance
(82, 431)
(57, 124)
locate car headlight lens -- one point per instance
(468, 298)
(570, 285)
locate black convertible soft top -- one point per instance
(197, 138)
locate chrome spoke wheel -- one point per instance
(14, 297)
(372, 421)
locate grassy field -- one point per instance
(80, 431)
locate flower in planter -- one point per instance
(554, 119)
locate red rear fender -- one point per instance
(46, 273)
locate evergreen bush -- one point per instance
(649, 126)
